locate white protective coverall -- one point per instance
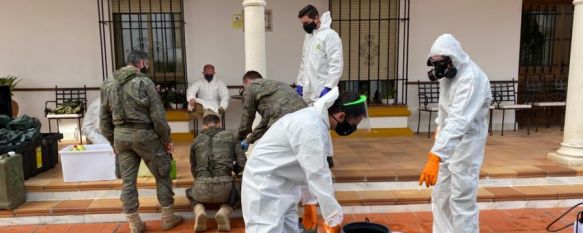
(90, 126)
(211, 95)
(463, 122)
(322, 60)
(291, 154)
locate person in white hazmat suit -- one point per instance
(91, 130)
(322, 59)
(292, 154)
(90, 126)
(210, 92)
(456, 157)
(320, 70)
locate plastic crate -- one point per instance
(96, 163)
(28, 151)
(49, 151)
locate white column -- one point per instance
(255, 57)
(571, 151)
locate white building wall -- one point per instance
(489, 32)
(48, 43)
(56, 42)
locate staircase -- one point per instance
(373, 176)
(91, 202)
(181, 124)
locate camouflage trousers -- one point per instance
(214, 190)
(158, 161)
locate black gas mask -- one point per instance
(441, 69)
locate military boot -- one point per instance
(169, 220)
(222, 218)
(136, 224)
(199, 218)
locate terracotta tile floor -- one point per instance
(381, 159)
(519, 220)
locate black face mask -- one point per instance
(441, 69)
(208, 77)
(144, 70)
(310, 27)
(344, 128)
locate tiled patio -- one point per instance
(499, 221)
(379, 159)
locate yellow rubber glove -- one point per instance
(310, 218)
(332, 229)
(429, 174)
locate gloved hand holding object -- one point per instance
(326, 90)
(300, 90)
(244, 145)
(430, 172)
(330, 162)
(310, 218)
(332, 229)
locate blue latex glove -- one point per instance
(326, 90)
(300, 90)
(244, 145)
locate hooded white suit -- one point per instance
(322, 60)
(463, 121)
(291, 154)
(90, 126)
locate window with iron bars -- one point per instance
(545, 42)
(375, 41)
(153, 26)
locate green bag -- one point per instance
(144, 171)
(4, 120)
(173, 170)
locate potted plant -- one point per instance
(175, 99)
(11, 80)
(390, 96)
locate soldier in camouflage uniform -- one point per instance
(133, 120)
(272, 99)
(211, 157)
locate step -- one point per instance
(384, 121)
(353, 202)
(180, 122)
(150, 191)
(178, 115)
(543, 174)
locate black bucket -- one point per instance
(365, 227)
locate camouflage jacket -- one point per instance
(214, 151)
(130, 99)
(273, 100)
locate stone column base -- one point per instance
(569, 161)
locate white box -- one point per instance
(94, 164)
